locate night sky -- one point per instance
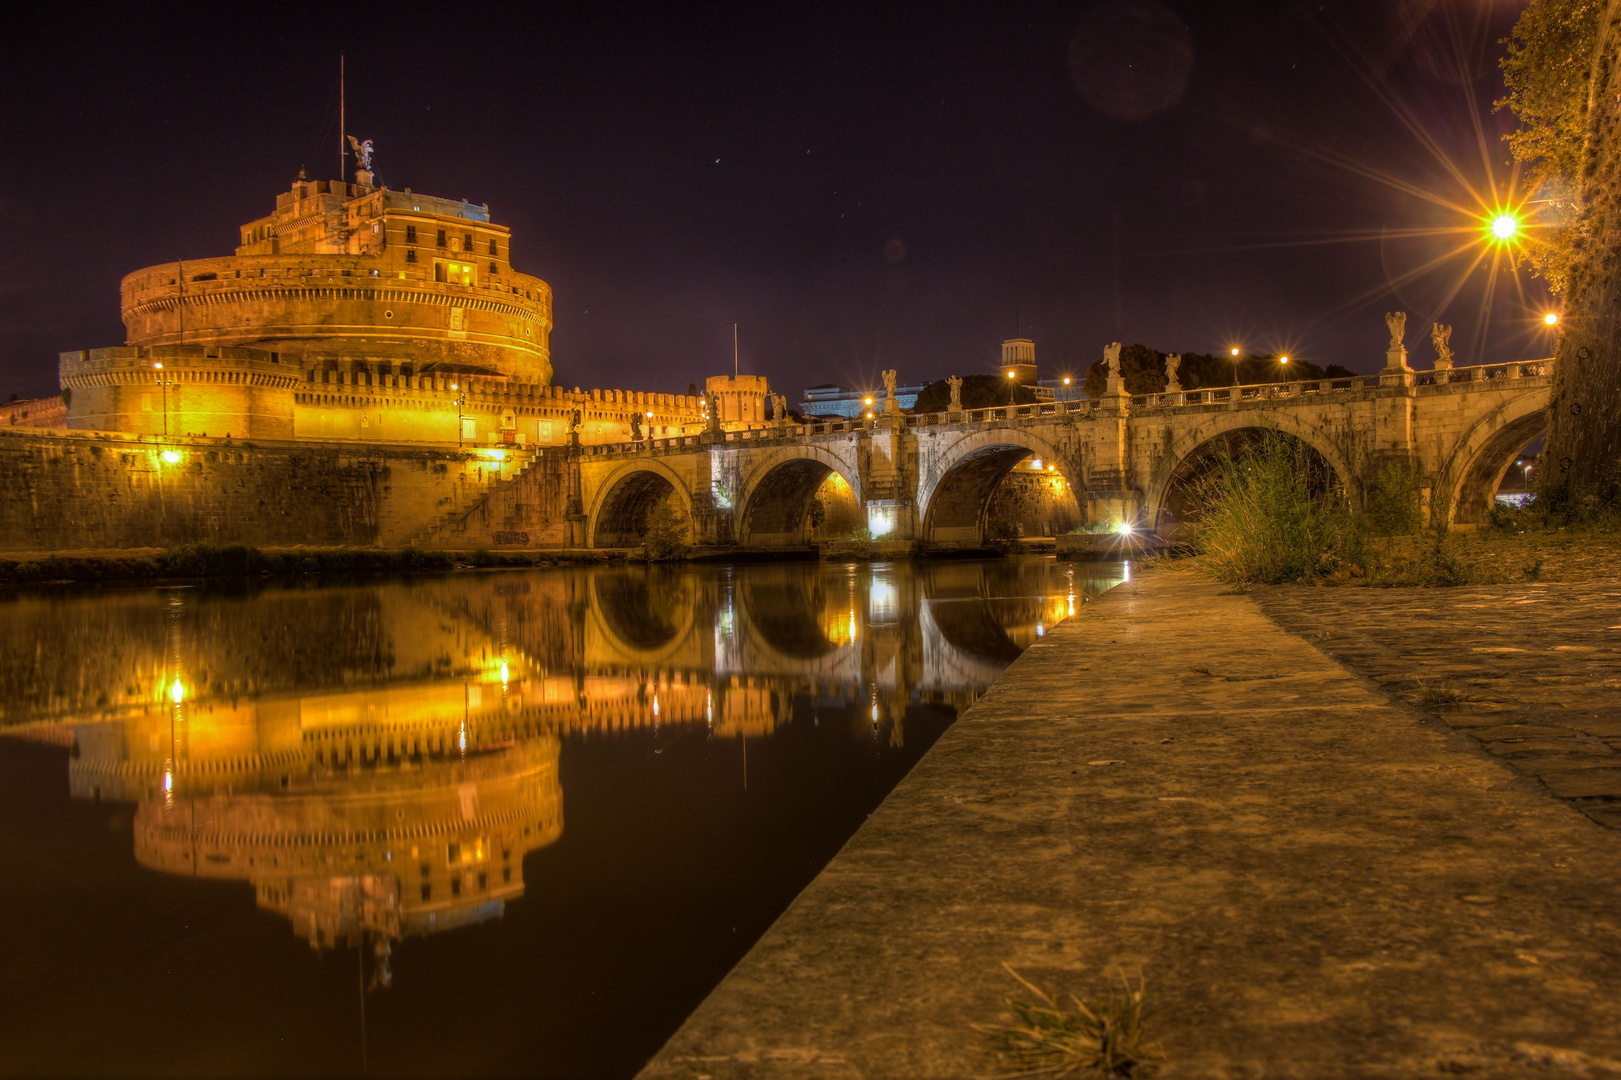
(858, 187)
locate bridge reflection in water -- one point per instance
(377, 760)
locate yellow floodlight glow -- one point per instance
(1010, 374)
(1234, 350)
(1066, 380)
(1125, 528)
(158, 366)
(1283, 359)
(869, 401)
(171, 457)
(1552, 318)
(177, 692)
(1505, 226)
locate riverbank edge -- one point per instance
(1314, 880)
(189, 562)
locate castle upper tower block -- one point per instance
(342, 272)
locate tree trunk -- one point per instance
(1582, 460)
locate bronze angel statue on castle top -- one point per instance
(363, 151)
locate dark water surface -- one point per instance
(502, 823)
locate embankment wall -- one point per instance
(61, 491)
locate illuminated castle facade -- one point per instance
(356, 313)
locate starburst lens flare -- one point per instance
(1552, 318)
(1505, 226)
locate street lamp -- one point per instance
(163, 381)
(461, 402)
(1551, 319)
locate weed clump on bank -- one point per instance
(1100, 1037)
(1273, 512)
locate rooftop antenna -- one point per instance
(734, 352)
(343, 123)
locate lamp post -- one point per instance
(1234, 352)
(163, 381)
(461, 403)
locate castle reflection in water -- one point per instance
(378, 759)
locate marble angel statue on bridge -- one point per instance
(955, 383)
(1397, 321)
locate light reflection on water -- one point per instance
(383, 763)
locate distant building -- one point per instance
(831, 400)
(1019, 365)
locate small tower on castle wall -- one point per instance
(742, 397)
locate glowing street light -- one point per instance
(1066, 380)
(1505, 226)
(1283, 359)
(1551, 319)
(1234, 350)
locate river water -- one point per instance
(494, 823)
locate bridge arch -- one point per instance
(778, 489)
(1472, 472)
(1188, 449)
(627, 496)
(957, 487)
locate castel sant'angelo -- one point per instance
(353, 312)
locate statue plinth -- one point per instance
(892, 406)
(364, 177)
(1396, 359)
(1173, 387)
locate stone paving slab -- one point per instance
(1314, 880)
(1540, 665)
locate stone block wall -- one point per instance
(75, 492)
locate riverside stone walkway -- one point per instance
(1314, 880)
(1538, 668)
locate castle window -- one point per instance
(467, 241)
(494, 269)
(443, 240)
(410, 254)
(427, 892)
(493, 251)
(410, 234)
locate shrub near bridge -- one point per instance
(1271, 515)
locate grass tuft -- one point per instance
(1100, 1037)
(1431, 696)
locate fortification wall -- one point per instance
(72, 491)
(530, 510)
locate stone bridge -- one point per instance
(930, 479)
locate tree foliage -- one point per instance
(666, 536)
(1562, 71)
(978, 392)
(1142, 369)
